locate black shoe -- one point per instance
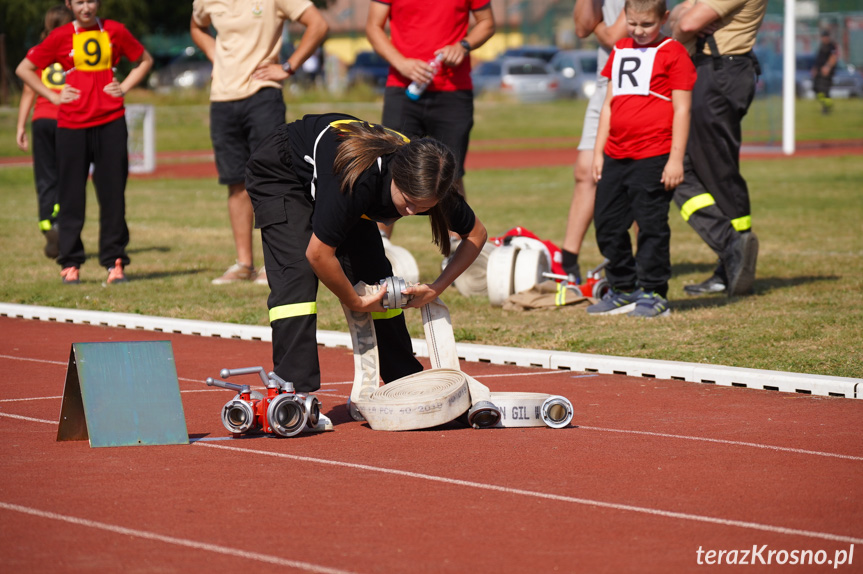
(715, 284)
(739, 261)
(52, 242)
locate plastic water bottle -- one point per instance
(416, 89)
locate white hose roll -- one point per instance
(403, 262)
(442, 393)
(500, 274)
(422, 400)
(473, 281)
(530, 264)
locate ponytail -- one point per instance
(422, 169)
(361, 145)
(55, 17)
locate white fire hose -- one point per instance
(441, 394)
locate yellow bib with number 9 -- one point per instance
(92, 51)
(54, 77)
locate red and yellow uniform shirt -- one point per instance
(419, 27)
(53, 77)
(88, 56)
(641, 79)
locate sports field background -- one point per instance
(806, 315)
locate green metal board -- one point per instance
(122, 394)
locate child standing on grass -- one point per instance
(638, 159)
(91, 128)
(44, 130)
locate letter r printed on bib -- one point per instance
(631, 71)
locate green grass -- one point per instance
(806, 315)
(183, 119)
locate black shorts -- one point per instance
(237, 127)
(444, 116)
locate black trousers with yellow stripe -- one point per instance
(286, 228)
(714, 197)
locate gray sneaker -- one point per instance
(651, 305)
(714, 284)
(616, 302)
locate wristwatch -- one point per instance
(287, 67)
(466, 45)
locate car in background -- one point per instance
(576, 71)
(191, 69)
(525, 79)
(368, 68)
(545, 53)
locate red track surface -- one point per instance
(651, 471)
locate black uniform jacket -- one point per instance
(303, 152)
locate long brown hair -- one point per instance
(55, 17)
(422, 169)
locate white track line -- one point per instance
(32, 420)
(228, 551)
(555, 497)
(724, 441)
(13, 357)
(582, 501)
(598, 429)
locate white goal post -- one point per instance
(141, 123)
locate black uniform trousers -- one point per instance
(105, 147)
(44, 136)
(631, 190)
(714, 197)
(286, 228)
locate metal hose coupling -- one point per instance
(483, 415)
(556, 412)
(394, 298)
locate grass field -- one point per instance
(806, 315)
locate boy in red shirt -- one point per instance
(91, 128)
(638, 159)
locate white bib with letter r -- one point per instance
(632, 69)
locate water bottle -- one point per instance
(416, 89)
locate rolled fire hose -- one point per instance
(441, 394)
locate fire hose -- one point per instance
(441, 394)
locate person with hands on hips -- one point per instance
(246, 101)
(91, 128)
(319, 187)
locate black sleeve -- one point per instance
(337, 212)
(460, 216)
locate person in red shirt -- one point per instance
(91, 129)
(419, 32)
(638, 159)
(44, 130)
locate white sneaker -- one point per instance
(324, 425)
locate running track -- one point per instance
(650, 472)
